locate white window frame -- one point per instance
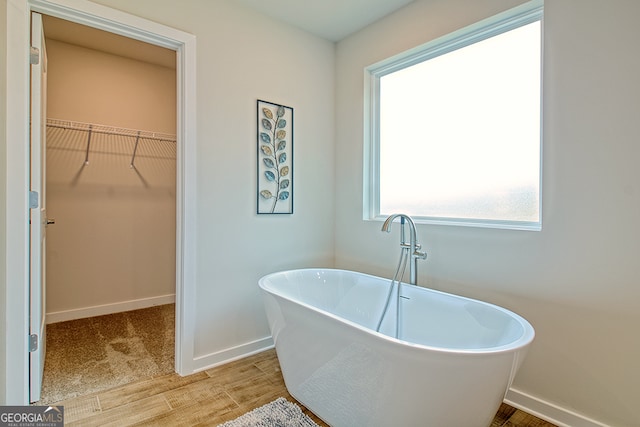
(514, 18)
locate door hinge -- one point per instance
(34, 56)
(33, 199)
(33, 342)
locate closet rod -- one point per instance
(92, 129)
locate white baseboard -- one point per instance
(548, 411)
(227, 355)
(99, 310)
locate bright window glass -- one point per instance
(458, 134)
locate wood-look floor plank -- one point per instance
(268, 363)
(253, 390)
(131, 413)
(145, 388)
(202, 412)
(201, 392)
(234, 373)
(80, 408)
(504, 413)
(522, 419)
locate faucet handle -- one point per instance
(419, 254)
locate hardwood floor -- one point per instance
(209, 398)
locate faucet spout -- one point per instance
(413, 245)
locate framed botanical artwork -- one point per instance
(275, 158)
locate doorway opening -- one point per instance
(18, 295)
(111, 185)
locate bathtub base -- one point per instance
(452, 365)
(349, 382)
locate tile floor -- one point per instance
(209, 398)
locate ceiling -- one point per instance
(332, 20)
(92, 38)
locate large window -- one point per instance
(455, 126)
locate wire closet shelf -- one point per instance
(103, 139)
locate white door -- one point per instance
(38, 211)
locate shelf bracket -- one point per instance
(86, 156)
(135, 149)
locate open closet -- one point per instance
(111, 172)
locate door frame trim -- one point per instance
(17, 186)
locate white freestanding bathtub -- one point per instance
(451, 366)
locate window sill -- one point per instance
(476, 223)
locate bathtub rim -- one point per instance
(516, 345)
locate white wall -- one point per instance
(113, 245)
(91, 86)
(576, 281)
(243, 56)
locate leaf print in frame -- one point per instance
(274, 158)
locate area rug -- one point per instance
(94, 354)
(279, 413)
